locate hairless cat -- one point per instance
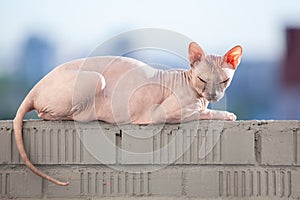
(122, 90)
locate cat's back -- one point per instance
(103, 64)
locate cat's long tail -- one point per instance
(26, 106)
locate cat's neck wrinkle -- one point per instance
(172, 80)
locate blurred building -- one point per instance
(292, 58)
(291, 74)
(37, 58)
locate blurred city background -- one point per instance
(37, 35)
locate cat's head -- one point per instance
(210, 74)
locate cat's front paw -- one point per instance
(230, 116)
(217, 115)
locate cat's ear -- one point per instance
(195, 53)
(233, 56)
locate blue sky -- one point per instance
(216, 25)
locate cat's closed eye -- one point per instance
(223, 82)
(201, 80)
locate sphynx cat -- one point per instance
(122, 90)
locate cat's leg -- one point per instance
(205, 113)
(171, 111)
(217, 115)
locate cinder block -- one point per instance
(206, 143)
(72, 190)
(242, 182)
(255, 182)
(237, 146)
(217, 143)
(294, 178)
(204, 183)
(136, 146)
(99, 181)
(278, 144)
(204, 159)
(98, 146)
(5, 147)
(297, 146)
(166, 182)
(137, 184)
(5, 184)
(22, 183)
(185, 146)
(165, 146)
(171, 181)
(209, 146)
(203, 142)
(56, 142)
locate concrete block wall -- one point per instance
(204, 159)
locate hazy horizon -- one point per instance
(79, 26)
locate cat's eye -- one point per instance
(202, 80)
(223, 82)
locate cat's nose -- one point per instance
(213, 95)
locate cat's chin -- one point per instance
(212, 100)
